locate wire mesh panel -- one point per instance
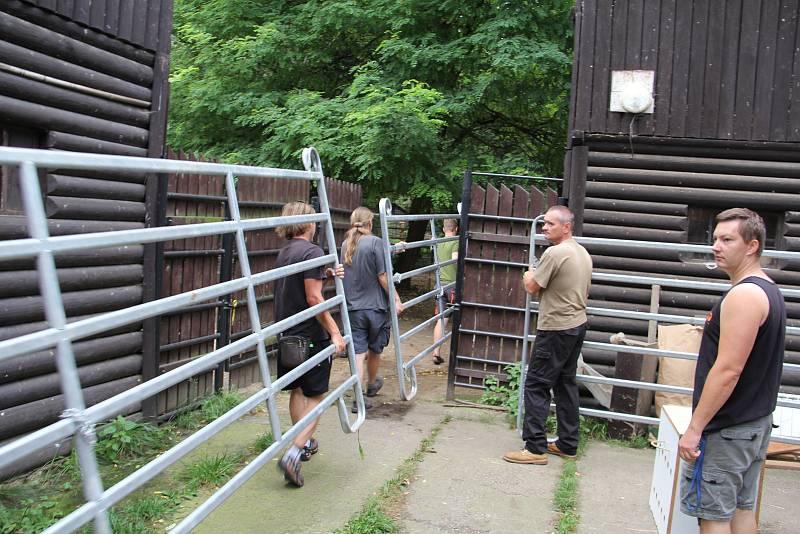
(78, 419)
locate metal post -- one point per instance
(438, 280)
(65, 358)
(526, 327)
(385, 209)
(463, 225)
(252, 304)
(224, 311)
(312, 163)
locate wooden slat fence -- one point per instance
(482, 355)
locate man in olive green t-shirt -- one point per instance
(447, 275)
(561, 280)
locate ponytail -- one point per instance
(360, 225)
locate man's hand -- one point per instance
(529, 283)
(688, 446)
(398, 304)
(338, 341)
(337, 271)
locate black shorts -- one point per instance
(315, 381)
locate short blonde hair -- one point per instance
(290, 231)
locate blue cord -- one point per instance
(697, 476)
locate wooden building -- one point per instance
(90, 76)
(724, 131)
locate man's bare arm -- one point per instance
(313, 289)
(384, 282)
(531, 286)
(743, 312)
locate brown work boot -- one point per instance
(525, 457)
(553, 449)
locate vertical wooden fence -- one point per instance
(489, 338)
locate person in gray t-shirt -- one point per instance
(366, 287)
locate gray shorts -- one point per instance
(731, 466)
(371, 330)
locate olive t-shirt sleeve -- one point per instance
(547, 267)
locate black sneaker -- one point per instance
(367, 405)
(375, 387)
(309, 450)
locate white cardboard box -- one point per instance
(665, 500)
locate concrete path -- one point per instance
(614, 489)
(466, 487)
(615, 493)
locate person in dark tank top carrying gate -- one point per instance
(736, 384)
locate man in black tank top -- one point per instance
(736, 383)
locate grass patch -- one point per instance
(263, 442)
(218, 404)
(565, 499)
(34, 501)
(211, 470)
(374, 517)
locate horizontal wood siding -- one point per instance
(134, 21)
(70, 83)
(724, 69)
(651, 196)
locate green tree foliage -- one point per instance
(399, 95)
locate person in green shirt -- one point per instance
(447, 275)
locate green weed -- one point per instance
(211, 470)
(123, 439)
(566, 499)
(373, 517)
(506, 395)
(188, 420)
(29, 515)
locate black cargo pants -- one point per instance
(553, 366)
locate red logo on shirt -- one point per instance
(709, 316)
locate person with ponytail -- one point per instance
(366, 288)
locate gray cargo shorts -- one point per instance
(731, 466)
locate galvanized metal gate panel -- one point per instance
(78, 420)
(406, 369)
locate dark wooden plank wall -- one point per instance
(725, 69)
(654, 196)
(134, 21)
(37, 113)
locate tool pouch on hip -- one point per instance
(292, 351)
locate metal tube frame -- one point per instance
(526, 328)
(406, 371)
(607, 312)
(78, 420)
